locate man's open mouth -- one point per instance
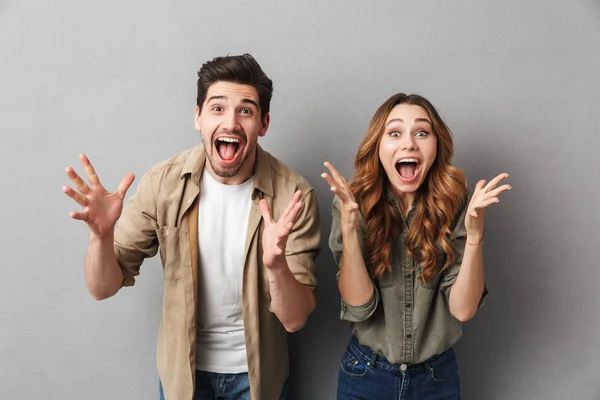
(228, 148)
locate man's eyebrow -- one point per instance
(245, 101)
(216, 98)
(250, 101)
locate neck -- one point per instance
(245, 172)
(406, 201)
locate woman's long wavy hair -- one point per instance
(438, 200)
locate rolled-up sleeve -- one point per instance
(304, 242)
(350, 312)
(135, 236)
(450, 275)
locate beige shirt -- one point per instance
(163, 214)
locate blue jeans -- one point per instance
(214, 386)
(365, 375)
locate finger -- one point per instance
(295, 199)
(277, 251)
(265, 211)
(341, 191)
(283, 233)
(78, 197)
(334, 173)
(90, 172)
(81, 216)
(344, 198)
(492, 184)
(487, 202)
(497, 191)
(480, 185)
(77, 181)
(293, 214)
(124, 185)
(332, 182)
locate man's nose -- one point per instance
(230, 121)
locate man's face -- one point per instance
(230, 124)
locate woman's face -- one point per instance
(408, 148)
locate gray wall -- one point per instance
(517, 81)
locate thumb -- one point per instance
(125, 184)
(265, 211)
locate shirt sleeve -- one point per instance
(135, 236)
(451, 273)
(349, 312)
(304, 242)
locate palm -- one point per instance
(275, 233)
(104, 209)
(483, 196)
(101, 209)
(273, 247)
(339, 186)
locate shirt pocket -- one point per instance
(170, 254)
(433, 283)
(386, 280)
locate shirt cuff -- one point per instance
(360, 313)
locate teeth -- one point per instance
(228, 140)
(407, 160)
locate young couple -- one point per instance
(238, 232)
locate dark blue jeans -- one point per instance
(213, 386)
(365, 375)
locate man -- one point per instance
(237, 231)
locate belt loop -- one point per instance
(427, 364)
(371, 362)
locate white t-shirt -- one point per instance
(222, 224)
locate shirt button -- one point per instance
(403, 367)
(407, 305)
(407, 276)
(409, 336)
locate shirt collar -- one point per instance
(263, 182)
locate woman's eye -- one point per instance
(394, 134)
(421, 133)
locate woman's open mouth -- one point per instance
(408, 169)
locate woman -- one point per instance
(407, 239)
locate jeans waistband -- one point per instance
(379, 361)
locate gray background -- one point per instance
(517, 81)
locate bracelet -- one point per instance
(473, 244)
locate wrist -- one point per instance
(103, 239)
(474, 239)
(348, 229)
(276, 271)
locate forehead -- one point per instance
(231, 91)
(407, 113)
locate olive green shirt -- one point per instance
(406, 320)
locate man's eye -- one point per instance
(217, 108)
(246, 111)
